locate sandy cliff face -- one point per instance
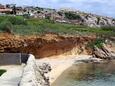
(45, 45)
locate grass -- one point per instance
(2, 71)
(23, 26)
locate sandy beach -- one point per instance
(60, 63)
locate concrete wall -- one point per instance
(29, 77)
(12, 58)
(24, 57)
(32, 75)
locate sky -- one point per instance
(100, 7)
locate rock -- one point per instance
(90, 60)
(44, 67)
(87, 19)
(104, 53)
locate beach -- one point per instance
(60, 63)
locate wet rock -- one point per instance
(90, 60)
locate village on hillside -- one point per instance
(63, 15)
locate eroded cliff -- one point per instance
(45, 45)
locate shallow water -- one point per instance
(88, 74)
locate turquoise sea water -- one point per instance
(88, 74)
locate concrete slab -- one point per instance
(13, 75)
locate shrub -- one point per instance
(17, 20)
(108, 28)
(60, 13)
(98, 20)
(97, 42)
(72, 16)
(27, 16)
(6, 26)
(2, 71)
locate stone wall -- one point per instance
(10, 58)
(33, 75)
(13, 58)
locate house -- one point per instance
(5, 10)
(19, 11)
(2, 6)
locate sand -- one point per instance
(60, 64)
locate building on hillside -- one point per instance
(5, 10)
(2, 6)
(19, 11)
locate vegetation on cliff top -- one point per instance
(23, 26)
(98, 42)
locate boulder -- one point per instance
(104, 52)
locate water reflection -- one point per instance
(88, 74)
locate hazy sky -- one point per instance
(102, 7)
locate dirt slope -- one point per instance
(45, 45)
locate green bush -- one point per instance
(108, 28)
(27, 16)
(60, 13)
(72, 16)
(6, 26)
(2, 71)
(98, 20)
(17, 20)
(97, 42)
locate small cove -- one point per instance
(88, 74)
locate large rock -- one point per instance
(104, 52)
(88, 19)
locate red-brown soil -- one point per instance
(45, 45)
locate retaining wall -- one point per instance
(13, 58)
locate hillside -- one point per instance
(67, 16)
(59, 32)
(82, 18)
(20, 25)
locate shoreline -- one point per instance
(60, 63)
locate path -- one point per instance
(12, 76)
